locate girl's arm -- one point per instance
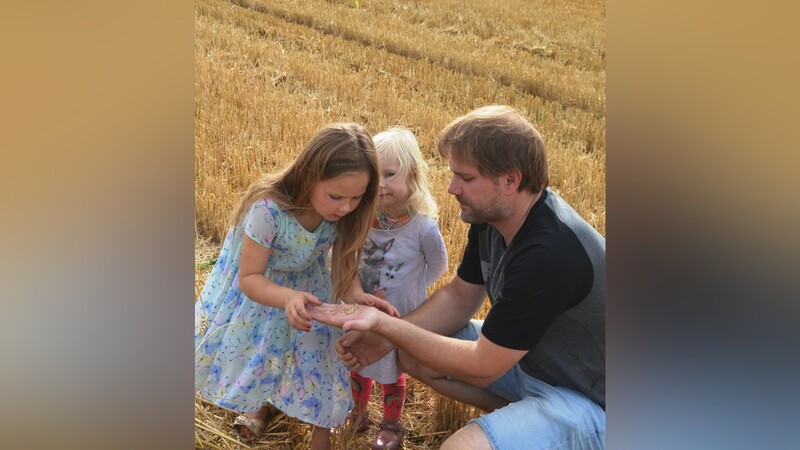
(356, 295)
(435, 255)
(260, 289)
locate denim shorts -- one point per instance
(540, 416)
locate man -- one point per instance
(537, 362)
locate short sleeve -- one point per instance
(261, 222)
(470, 268)
(539, 283)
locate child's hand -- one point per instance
(381, 304)
(296, 311)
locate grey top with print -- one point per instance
(398, 265)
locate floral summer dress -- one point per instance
(247, 354)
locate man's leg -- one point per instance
(538, 416)
(452, 388)
(559, 419)
(470, 437)
(455, 389)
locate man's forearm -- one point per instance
(449, 308)
(443, 354)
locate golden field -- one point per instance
(268, 73)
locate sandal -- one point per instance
(388, 444)
(255, 426)
(358, 423)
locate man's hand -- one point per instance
(357, 349)
(346, 316)
(296, 311)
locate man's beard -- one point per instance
(493, 212)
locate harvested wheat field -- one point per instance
(268, 73)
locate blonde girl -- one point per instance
(258, 351)
(404, 254)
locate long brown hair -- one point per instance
(334, 150)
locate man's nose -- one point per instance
(453, 187)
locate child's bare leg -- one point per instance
(320, 438)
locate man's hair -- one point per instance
(497, 139)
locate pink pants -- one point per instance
(394, 395)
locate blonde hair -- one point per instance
(333, 151)
(497, 139)
(413, 168)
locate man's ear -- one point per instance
(512, 179)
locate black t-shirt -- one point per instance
(547, 291)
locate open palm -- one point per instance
(347, 317)
(359, 347)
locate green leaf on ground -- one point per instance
(207, 264)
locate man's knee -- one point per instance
(470, 437)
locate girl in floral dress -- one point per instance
(257, 349)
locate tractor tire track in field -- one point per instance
(469, 67)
